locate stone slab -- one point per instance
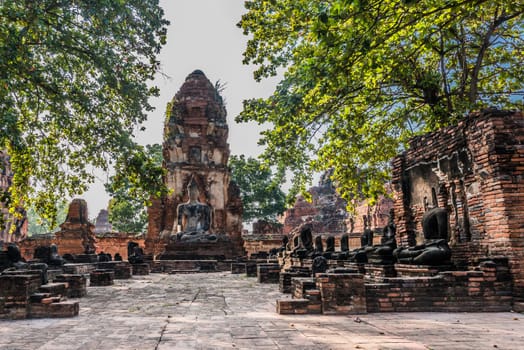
(227, 311)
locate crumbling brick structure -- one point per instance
(76, 233)
(476, 171)
(326, 212)
(265, 236)
(195, 146)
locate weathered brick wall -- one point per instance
(453, 291)
(116, 243)
(475, 171)
(326, 212)
(261, 243)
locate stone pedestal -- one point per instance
(238, 268)
(99, 278)
(268, 273)
(286, 277)
(76, 284)
(140, 269)
(406, 270)
(342, 293)
(251, 269)
(220, 250)
(122, 269)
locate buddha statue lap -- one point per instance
(435, 249)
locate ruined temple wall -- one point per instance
(260, 243)
(117, 243)
(475, 171)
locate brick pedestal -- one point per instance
(286, 277)
(342, 293)
(268, 273)
(140, 269)
(251, 269)
(122, 269)
(99, 278)
(76, 284)
(238, 268)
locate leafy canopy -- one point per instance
(127, 208)
(38, 225)
(73, 88)
(260, 191)
(362, 77)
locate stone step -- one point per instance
(172, 272)
(101, 278)
(37, 297)
(55, 309)
(292, 307)
(55, 289)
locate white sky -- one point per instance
(202, 35)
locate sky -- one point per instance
(202, 35)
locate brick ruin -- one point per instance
(77, 232)
(328, 215)
(45, 284)
(475, 171)
(264, 237)
(471, 175)
(326, 211)
(195, 147)
(102, 224)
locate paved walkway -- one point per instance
(224, 311)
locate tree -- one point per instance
(73, 88)
(260, 190)
(38, 225)
(362, 77)
(127, 211)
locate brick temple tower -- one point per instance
(195, 145)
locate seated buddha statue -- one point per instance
(435, 249)
(193, 217)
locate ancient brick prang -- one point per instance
(195, 147)
(102, 224)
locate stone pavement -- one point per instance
(225, 311)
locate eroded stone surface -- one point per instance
(224, 311)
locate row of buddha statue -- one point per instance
(433, 251)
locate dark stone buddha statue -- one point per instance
(435, 249)
(303, 242)
(194, 219)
